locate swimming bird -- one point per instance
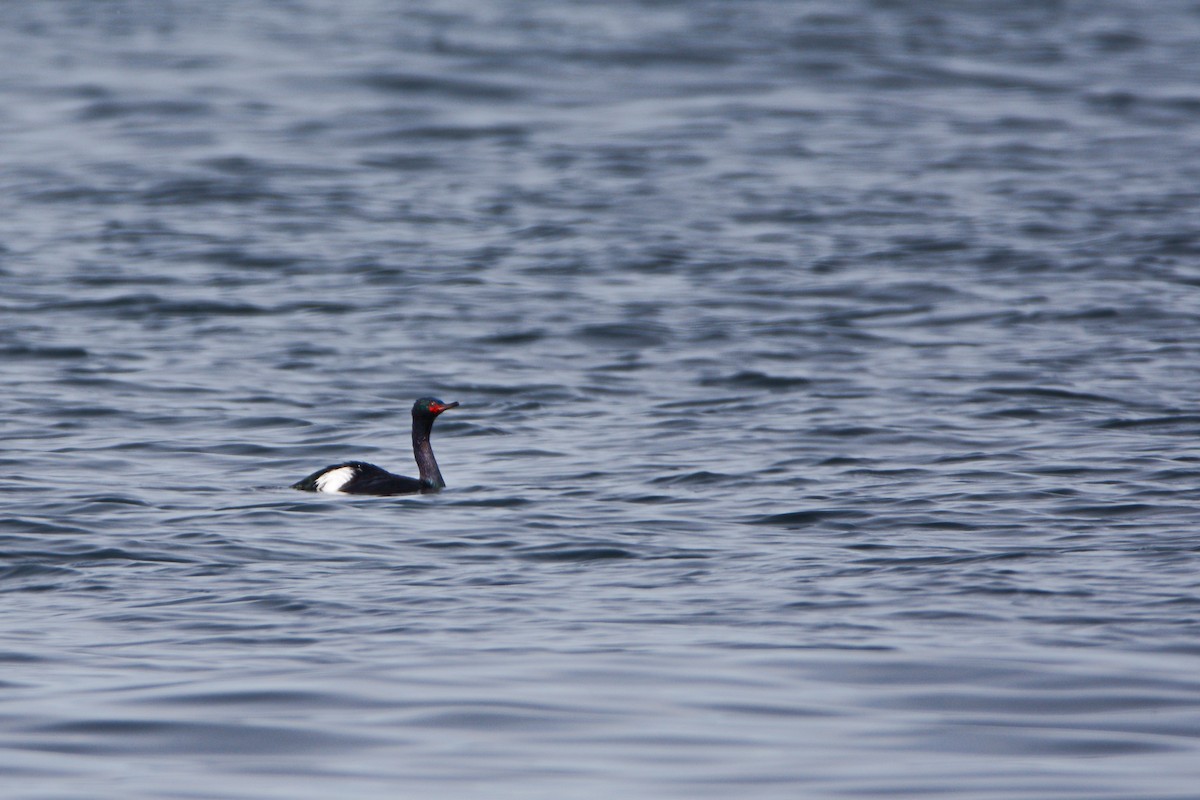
(357, 477)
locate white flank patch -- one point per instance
(335, 479)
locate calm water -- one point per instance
(830, 383)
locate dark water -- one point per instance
(830, 383)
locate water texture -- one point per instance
(829, 399)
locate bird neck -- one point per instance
(423, 453)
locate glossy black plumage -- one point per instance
(366, 479)
(359, 477)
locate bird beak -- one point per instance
(446, 407)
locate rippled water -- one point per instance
(829, 399)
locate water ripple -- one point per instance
(826, 382)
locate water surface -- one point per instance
(828, 382)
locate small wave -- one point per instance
(515, 337)
(699, 478)
(17, 572)
(1105, 511)
(1188, 420)
(1048, 393)
(252, 423)
(187, 191)
(36, 353)
(402, 162)
(114, 109)
(408, 83)
(752, 379)
(129, 736)
(449, 133)
(574, 553)
(629, 334)
(810, 516)
(495, 502)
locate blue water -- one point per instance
(829, 392)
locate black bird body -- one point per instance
(358, 477)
